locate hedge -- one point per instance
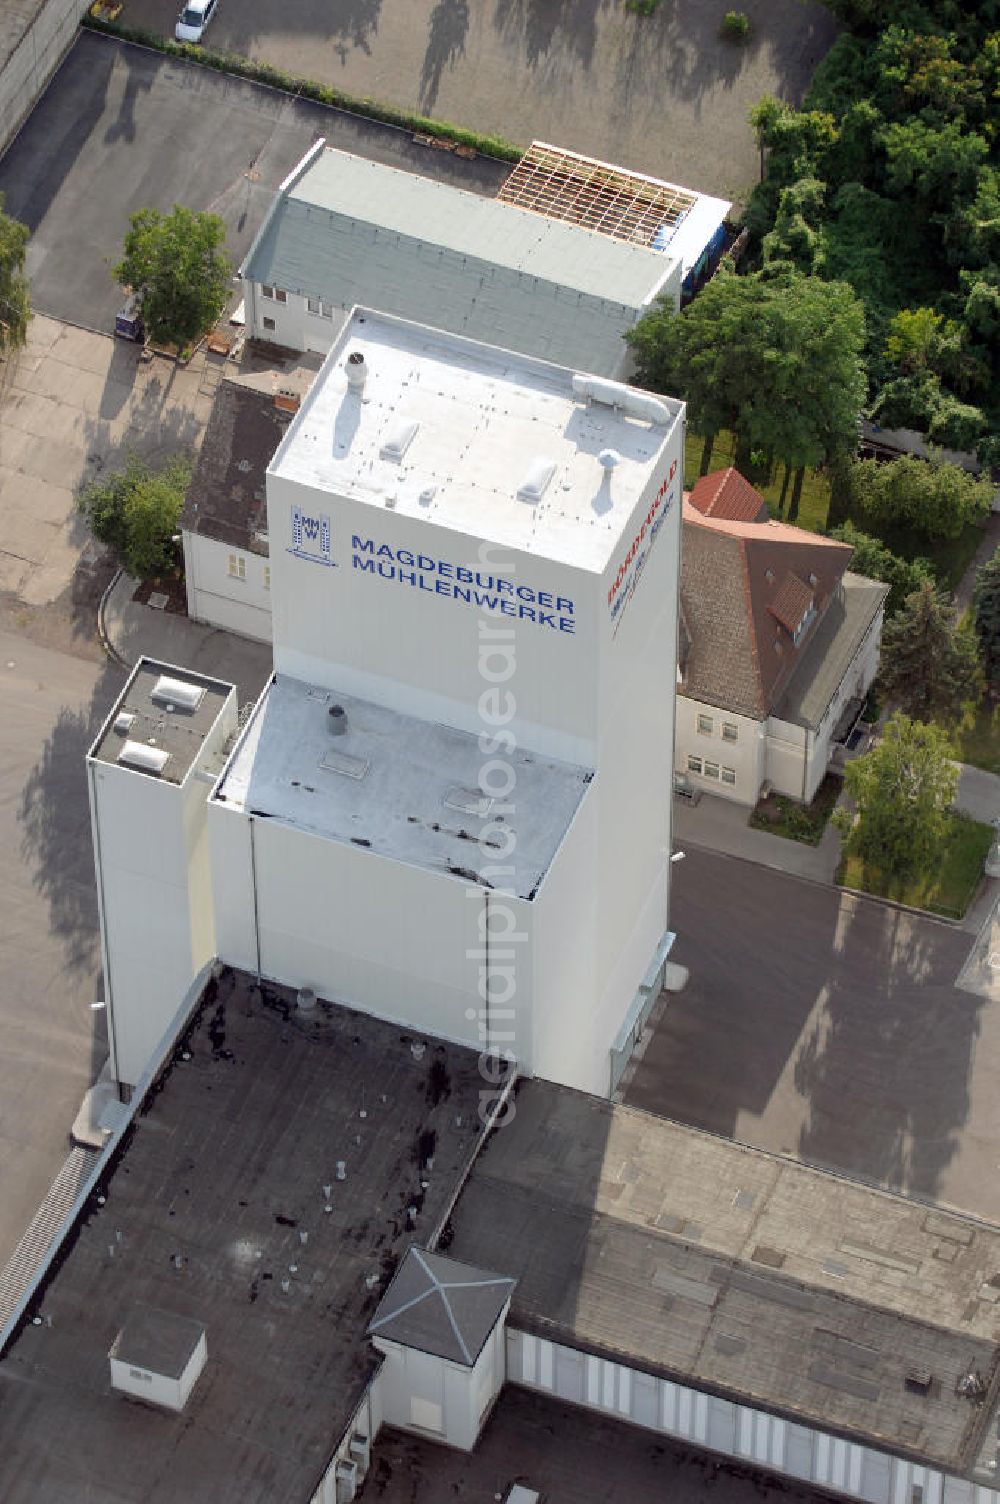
(304, 88)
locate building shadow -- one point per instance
(849, 1048)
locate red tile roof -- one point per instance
(790, 601)
(727, 495)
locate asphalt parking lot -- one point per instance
(661, 93)
(121, 128)
(830, 1028)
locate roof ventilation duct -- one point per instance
(357, 371)
(616, 394)
(336, 718)
(608, 459)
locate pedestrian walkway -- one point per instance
(988, 545)
(721, 825)
(978, 794)
(132, 629)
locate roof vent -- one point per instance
(344, 764)
(918, 1380)
(468, 801)
(124, 721)
(336, 718)
(398, 438)
(167, 691)
(536, 478)
(609, 458)
(616, 394)
(357, 371)
(147, 759)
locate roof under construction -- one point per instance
(609, 200)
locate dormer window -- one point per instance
(805, 621)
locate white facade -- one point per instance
(170, 1392)
(720, 752)
(151, 853)
(439, 1399)
(430, 590)
(227, 586)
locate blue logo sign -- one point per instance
(311, 538)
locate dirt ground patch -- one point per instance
(660, 93)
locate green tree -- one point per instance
(928, 497)
(178, 261)
(873, 559)
(911, 339)
(776, 359)
(929, 667)
(903, 790)
(986, 603)
(136, 511)
(15, 302)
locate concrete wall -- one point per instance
(37, 34)
(393, 940)
(443, 1401)
(222, 599)
(734, 1430)
(744, 757)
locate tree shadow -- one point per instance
(445, 45)
(550, 27)
(350, 24)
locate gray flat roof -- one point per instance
(353, 231)
(439, 1306)
(756, 1278)
(401, 787)
(216, 1210)
(177, 731)
(828, 657)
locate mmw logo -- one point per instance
(311, 537)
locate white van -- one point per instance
(193, 19)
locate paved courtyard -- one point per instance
(659, 93)
(829, 1027)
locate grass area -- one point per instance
(977, 740)
(949, 557)
(949, 889)
(814, 504)
(798, 822)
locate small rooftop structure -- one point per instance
(616, 202)
(442, 1307)
(727, 495)
(224, 1206)
(495, 445)
(160, 721)
(403, 787)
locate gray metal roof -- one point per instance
(831, 651)
(441, 1306)
(351, 231)
(745, 1275)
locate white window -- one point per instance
(326, 309)
(237, 566)
(268, 323)
(807, 618)
(314, 305)
(711, 770)
(267, 576)
(267, 292)
(279, 296)
(694, 764)
(706, 725)
(730, 731)
(729, 775)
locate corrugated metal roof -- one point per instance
(356, 232)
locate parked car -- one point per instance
(193, 19)
(128, 319)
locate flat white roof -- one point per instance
(477, 426)
(397, 786)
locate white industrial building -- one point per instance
(560, 265)
(451, 805)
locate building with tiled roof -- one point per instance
(779, 646)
